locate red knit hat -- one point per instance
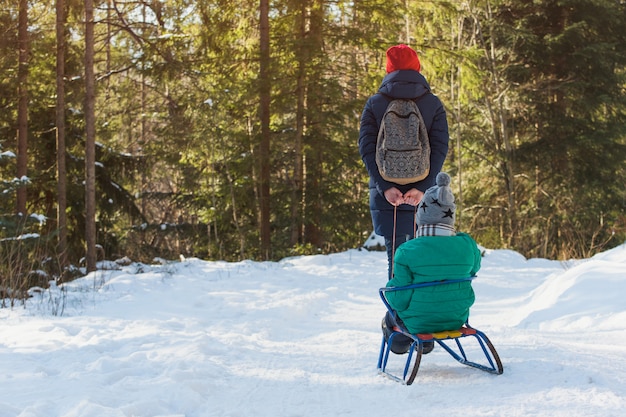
(402, 57)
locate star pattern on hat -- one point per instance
(435, 201)
(424, 206)
(448, 213)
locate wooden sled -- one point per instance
(452, 341)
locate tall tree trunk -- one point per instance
(315, 97)
(456, 36)
(264, 149)
(60, 123)
(297, 190)
(22, 111)
(90, 140)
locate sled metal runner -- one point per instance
(452, 341)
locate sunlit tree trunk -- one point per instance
(264, 150)
(297, 191)
(22, 112)
(60, 131)
(90, 139)
(315, 129)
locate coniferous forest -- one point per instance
(228, 129)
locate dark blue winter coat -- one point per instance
(401, 84)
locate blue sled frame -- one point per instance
(450, 341)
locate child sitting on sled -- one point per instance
(438, 252)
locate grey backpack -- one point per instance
(402, 147)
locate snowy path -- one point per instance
(300, 338)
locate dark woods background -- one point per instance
(228, 129)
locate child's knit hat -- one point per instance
(437, 205)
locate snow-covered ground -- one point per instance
(300, 337)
